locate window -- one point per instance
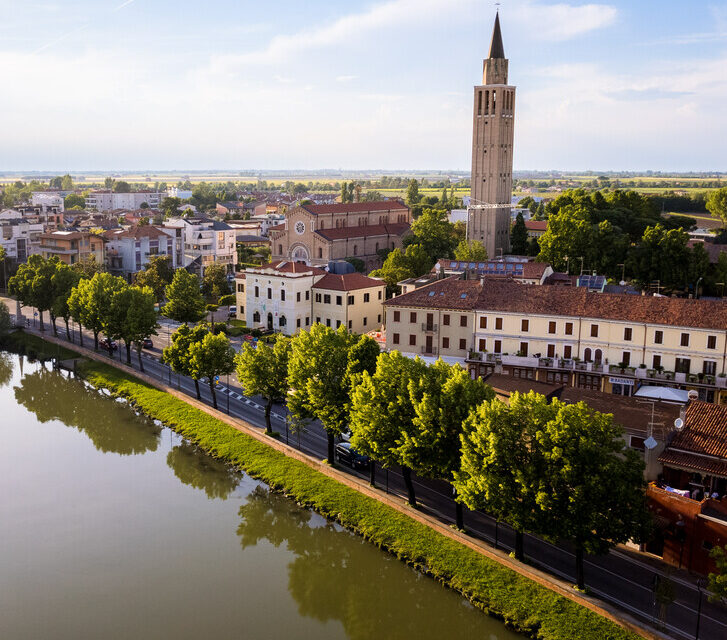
(483, 322)
(282, 322)
(257, 292)
(412, 340)
(350, 325)
(367, 297)
(628, 334)
(709, 368)
(270, 293)
(567, 352)
(711, 342)
(626, 358)
(413, 317)
(551, 351)
(320, 253)
(256, 316)
(339, 300)
(395, 338)
(282, 295)
(380, 292)
(307, 295)
(658, 337)
(685, 340)
(597, 355)
(445, 343)
(338, 323)
(445, 319)
(379, 318)
(318, 297)
(569, 328)
(498, 324)
(397, 316)
(525, 326)
(350, 300)
(326, 298)
(366, 320)
(587, 355)
(297, 296)
(656, 362)
(328, 322)
(463, 321)
(523, 348)
(318, 319)
(498, 346)
(297, 323)
(683, 365)
(551, 327)
(240, 288)
(594, 331)
(307, 320)
(463, 343)
(637, 443)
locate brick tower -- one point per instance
(488, 218)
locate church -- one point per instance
(488, 216)
(319, 233)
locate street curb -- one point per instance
(561, 587)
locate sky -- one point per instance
(373, 84)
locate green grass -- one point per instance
(32, 345)
(521, 603)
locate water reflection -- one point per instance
(6, 369)
(111, 428)
(336, 576)
(197, 469)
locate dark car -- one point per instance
(147, 343)
(104, 344)
(345, 454)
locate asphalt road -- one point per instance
(621, 577)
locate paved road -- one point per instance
(620, 577)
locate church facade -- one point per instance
(317, 234)
(488, 218)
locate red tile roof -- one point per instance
(713, 250)
(286, 266)
(705, 430)
(356, 207)
(536, 225)
(347, 282)
(395, 229)
(694, 461)
(530, 270)
(507, 296)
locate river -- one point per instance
(112, 526)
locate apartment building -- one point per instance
(607, 342)
(288, 296)
(48, 199)
(20, 238)
(129, 250)
(72, 246)
(202, 242)
(107, 200)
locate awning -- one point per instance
(694, 462)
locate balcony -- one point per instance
(430, 328)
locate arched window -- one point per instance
(280, 249)
(598, 356)
(322, 225)
(587, 355)
(282, 322)
(355, 250)
(256, 316)
(320, 252)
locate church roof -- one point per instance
(348, 233)
(496, 48)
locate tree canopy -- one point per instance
(185, 301)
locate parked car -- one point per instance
(104, 344)
(233, 311)
(345, 454)
(147, 343)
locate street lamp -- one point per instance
(721, 294)
(700, 585)
(696, 289)
(623, 273)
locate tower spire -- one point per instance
(496, 48)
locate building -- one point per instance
(492, 151)
(20, 238)
(72, 246)
(48, 200)
(107, 200)
(536, 228)
(202, 242)
(318, 234)
(565, 335)
(287, 296)
(128, 250)
(523, 270)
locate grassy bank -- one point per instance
(522, 603)
(35, 347)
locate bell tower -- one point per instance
(488, 218)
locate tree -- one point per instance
(318, 381)
(717, 204)
(519, 235)
(88, 267)
(383, 408)
(157, 274)
(212, 357)
(66, 182)
(435, 233)
(90, 302)
(662, 255)
(121, 187)
(32, 284)
(74, 201)
(400, 265)
(263, 371)
(502, 465)
(112, 307)
(214, 281)
(569, 235)
(432, 447)
(412, 192)
(177, 354)
(718, 579)
(170, 207)
(470, 251)
(5, 323)
(63, 281)
(185, 302)
(592, 488)
(134, 318)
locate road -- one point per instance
(621, 577)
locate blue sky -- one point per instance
(175, 84)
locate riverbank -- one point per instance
(522, 603)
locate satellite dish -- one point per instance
(679, 424)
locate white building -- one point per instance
(202, 242)
(107, 200)
(176, 192)
(128, 250)
(47, 199)
(20, 238)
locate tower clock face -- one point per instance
(300, 228)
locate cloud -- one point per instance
(122, 5)
(345, 78)
(562, 21)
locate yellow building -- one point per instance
(352, 300)
(72, 246)
(607, 342)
